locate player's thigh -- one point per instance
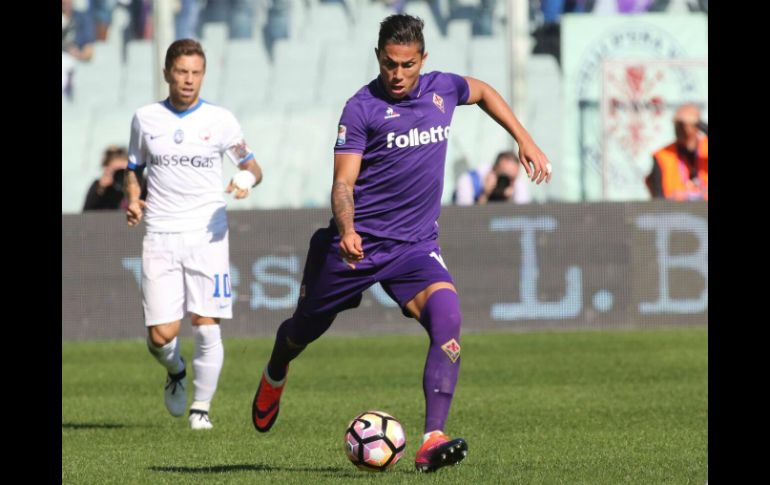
(329, 285)
(207, 279)
(418, 273)
(162, 281)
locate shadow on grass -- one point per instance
(92, 426)
(258, 467)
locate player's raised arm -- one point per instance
(495, 106)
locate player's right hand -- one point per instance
(351, 249)
(134, 212)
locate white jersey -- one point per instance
(183, 152)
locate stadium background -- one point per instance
(598, 102)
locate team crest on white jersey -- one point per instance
(178, 136)
(342, 132)
(439, 102)
(390, 113)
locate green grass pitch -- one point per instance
(553, 408)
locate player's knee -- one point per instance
(441, 313)
(157, 340)
(157, 337)
(197, 320)
(453, 320)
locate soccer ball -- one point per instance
(374, 441)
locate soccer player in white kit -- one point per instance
(185, 253)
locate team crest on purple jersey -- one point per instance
(390, 113)
(178, 136)
(439, 102)
(341, 134)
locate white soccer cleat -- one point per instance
(176, 393)
(199, 419)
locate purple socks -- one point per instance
(441, 317)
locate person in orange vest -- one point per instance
(680, 171)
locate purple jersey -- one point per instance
(403, 145)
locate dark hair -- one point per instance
(111, 153)
(503, 155)
(401, 29)
(184, 47)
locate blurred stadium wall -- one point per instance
(536, 267)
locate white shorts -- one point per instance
(188, 266)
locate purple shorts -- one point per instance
(404, 269)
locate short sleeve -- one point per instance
(351, 131)
(233, 143)
(460, 85)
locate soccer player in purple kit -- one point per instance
(386, 199)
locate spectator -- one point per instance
(239, 15)
(680, 171)
(106, 193)
(101, 13)
(622, 6)
(493, 183)
(186, 19)
(77, 43)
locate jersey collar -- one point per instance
(182, 114)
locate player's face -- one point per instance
(400, 66)
(184, 80)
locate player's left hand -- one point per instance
(530, 153)
(239, 193)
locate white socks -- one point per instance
(207, 364)
(168, 355)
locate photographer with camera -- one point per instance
(498, 183)
(106, 193)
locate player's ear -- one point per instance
(166, 76)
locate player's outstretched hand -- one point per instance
(134, 212)
(530, 153)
